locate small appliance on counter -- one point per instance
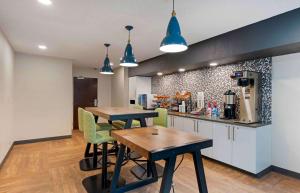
(146, 100)
(229, 105)
(248, 82)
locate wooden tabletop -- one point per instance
(145, 141)
(121, 113)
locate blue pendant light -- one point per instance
(173, 42)
(106, 69)
(128, 60)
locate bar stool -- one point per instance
(92, 136)
(87, 163)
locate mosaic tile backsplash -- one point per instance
(214, 81)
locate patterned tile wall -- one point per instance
(214, 81)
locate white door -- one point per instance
(205, 129)
(190, 125)
(222, 143)
(244, 148)
(178, 123)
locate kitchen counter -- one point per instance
(213, 119)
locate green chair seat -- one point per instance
(103, 127)
(90, 134)
(103, 136)
(121, 124)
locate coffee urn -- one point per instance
(229, 105)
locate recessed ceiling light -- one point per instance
(45, 2)
(42, 47)
(181, 69)
(213, 64)
(159, 74)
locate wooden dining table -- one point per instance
(125, 114)
(159, 143)
(100, 183)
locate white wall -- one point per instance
(43, 97)
(120, 88)
(104, 83)
(285, 112)
(6, 95)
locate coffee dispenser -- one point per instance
(229, 105)
(248, 83)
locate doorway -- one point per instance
(85, 95)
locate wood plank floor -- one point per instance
(52, 167)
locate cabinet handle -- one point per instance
(233, 128)
(194, 126)
(172, 121)
(228, 132)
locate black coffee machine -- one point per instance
(229, 105)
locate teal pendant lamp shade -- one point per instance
(128, 60)
(106, 69)
(173, 42)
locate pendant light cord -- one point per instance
(173, 11)
(128, 36)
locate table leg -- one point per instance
(128, 124)
(168, 175)
(143, 122)
(117, 170)
(96, 118)
(199, 171)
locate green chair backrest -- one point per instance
(162, 119)
(80, 119)
(89, 127)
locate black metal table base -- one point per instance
(88, 165)
(140, 171)
(93, 184)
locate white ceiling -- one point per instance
(77, 29)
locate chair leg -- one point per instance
(87, 150)
(95, 157)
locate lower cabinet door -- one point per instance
(190, 125)
(205, 129)
(222, 143)
(244, 148)
(178, 123)
(170, 121)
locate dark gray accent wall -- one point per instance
(215, 81)
(271, 37)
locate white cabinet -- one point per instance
(222, 143)
(205, 129)
(244, 148)
(178, 122)
(170, 121)
(175, 122)
(190, 125)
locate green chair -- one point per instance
(162, 119)
(99, 127)
(90, 160)
(135, 123)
